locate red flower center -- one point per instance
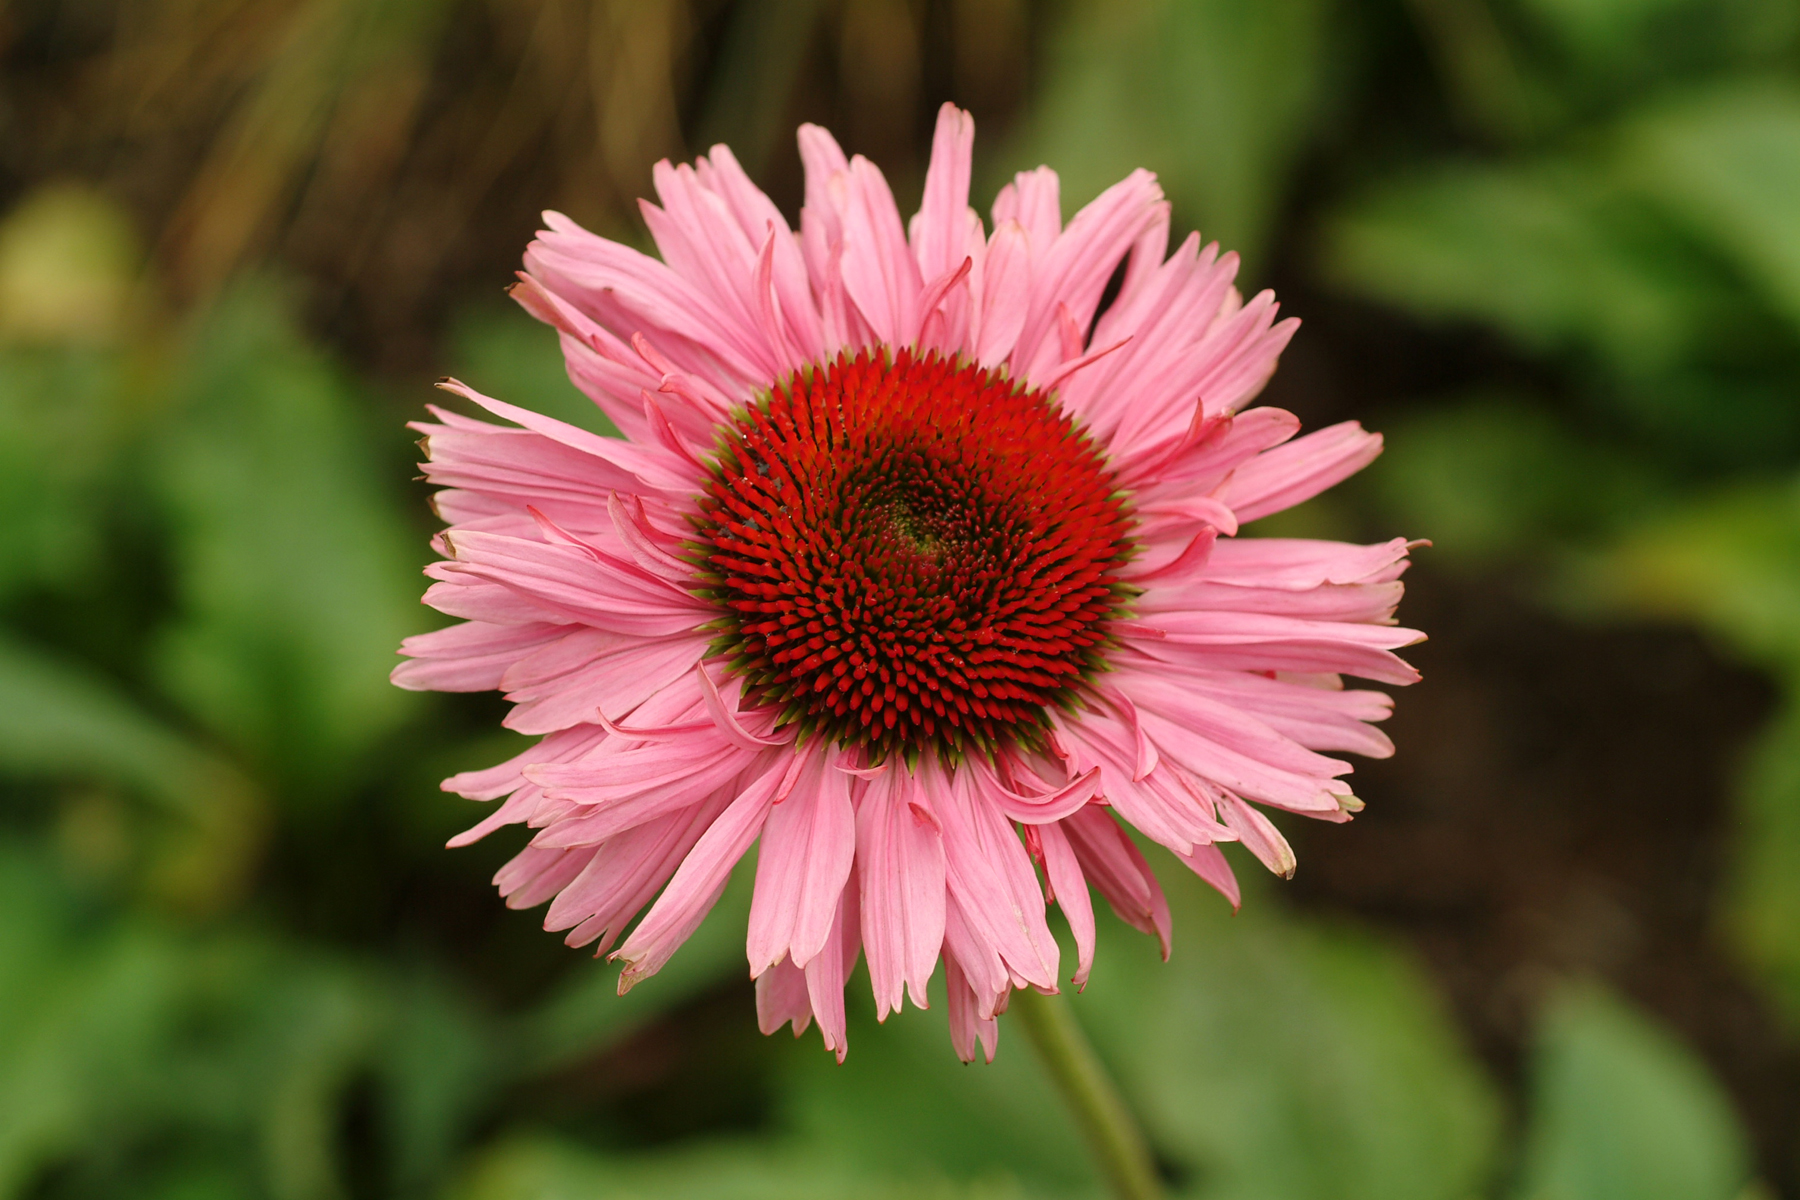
(912, 552)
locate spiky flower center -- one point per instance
(912, 553)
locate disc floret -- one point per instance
(912, 553)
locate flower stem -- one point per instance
(1112, 1133)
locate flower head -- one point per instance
(914, 567)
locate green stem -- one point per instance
(1112, 1133)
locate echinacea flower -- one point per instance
(916, 566)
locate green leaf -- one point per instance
(64, 722)
(1269, 1059)
(903, 1104)
(1729, 561)
(1500, 477)
(762, 56)
(1762, 909)
(296, 576)
(1275, 1059)
(538, 1169)
(1598, 26)
(234, 1055)
(1551, 254)
(1571, 258)
(1217, 97)
(1728, 162)
(68, 267)
(588, 1013)
(440, 1062)
(63, 423)
(81, 1016)
(1623, 48)
(1622, 1111)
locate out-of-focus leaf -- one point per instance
(1728, 160)
(1646, 42)
(234, 1054)
(587, 1013)
(438, 1063)
(82, 1014)
(901, 1103)
(295, 572)
(316, 1030)
(1598, 26)
(67, 267)
(1270, 1060)
(1500, 477)
(1550, 254)
(1482, 69)
(1763, 900)
(64, 722)
(545, 1170)
(500, 350)
(1570, 258)
(1622, 1111)
(1280, 1060)
(63, 422)
(1731, 563)
(1217, 97)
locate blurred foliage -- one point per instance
(1220, 96)
(1641, 245)
(233, 960)
(1621, 1111)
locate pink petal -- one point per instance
(1300, 470)
(1112, 863)
(628, 292)
(1033, 199)
(1260, 836)
(699, 880)
(625, 873)
(1075, 270)
(618, 789)
(980, 963)
(808, 844)
(900, 865)
(469, 657)
(1157, 803)
(879, 272)
(1005, 294)
(570, 581)
(591, 671)
(1299, 563)
(535, 874)
(645, 469)
(938, 236)
(1069, 886)
(826, 972)
(1208, 862)
(990, 874)
(968, 1028)
(781, 998)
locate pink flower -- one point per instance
(910, 568)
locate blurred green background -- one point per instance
(1551, 247)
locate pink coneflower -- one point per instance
(909, 569)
